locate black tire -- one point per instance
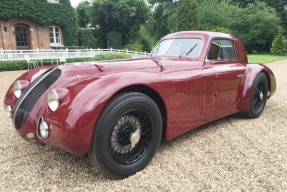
(126, 136)
(258, 96)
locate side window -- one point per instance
(221, 50)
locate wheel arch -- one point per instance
(251, 73)
(154, 95)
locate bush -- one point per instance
(111, 57)
(22, 65)
(222, 30)
(13, 65)
(86, 38)
(134, 47)
(77, 60)
(279, 44)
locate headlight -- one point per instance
(43, 129)
(19, 87)
(8, 110)
(56, 97)
(53, 100)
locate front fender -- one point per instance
(87, 105)
(251, 73)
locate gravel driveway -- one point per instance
(234, 154)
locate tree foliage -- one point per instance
(124, 17)
(86, 38)
(83, 15)
(44, 13)
(248, 23)
(279, 44)
(165, 17)
(121, 22)
(186, 14)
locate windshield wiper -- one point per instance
(188, 51)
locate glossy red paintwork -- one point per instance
(193, 92)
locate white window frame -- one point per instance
(54, 43)
(53, 1)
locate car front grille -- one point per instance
(31, 95)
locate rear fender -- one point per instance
(251, 73)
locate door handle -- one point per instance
(239, 75)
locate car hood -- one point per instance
(115, 66)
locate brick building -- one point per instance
(21, 34)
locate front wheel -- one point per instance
(258, 97)
(126, 136)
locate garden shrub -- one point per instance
(22, 65)
(279, 44)
(134, 46)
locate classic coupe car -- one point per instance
(118, 111)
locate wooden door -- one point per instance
(22, 37)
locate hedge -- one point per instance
(22, 65)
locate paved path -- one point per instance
(234, 154)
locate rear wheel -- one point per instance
(259, 96)
(127, 135)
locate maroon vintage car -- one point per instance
(118, 111)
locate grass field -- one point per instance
(265, 58)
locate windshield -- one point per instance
(178, 47)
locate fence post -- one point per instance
(111, 49)
(38, 52)
(1, 50)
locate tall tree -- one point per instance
(120, 19)
(186, 13)
(164, 15)
(278, 5)
(257, 24)
(82, 11)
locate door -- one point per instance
(228, 72)
(22, 37)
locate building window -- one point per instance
(55, 36)
(53, 1)
(22, 36)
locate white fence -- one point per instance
(38, 54)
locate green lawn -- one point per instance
(265, 58)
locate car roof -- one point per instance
(206, 34)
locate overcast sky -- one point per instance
(75, 2)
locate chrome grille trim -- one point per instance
(25, 94)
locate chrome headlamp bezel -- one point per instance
(8, 110)
(53, 100)
(17, 89)
(19, 86)
(43, 129)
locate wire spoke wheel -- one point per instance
(127, 135)
(131, 137)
